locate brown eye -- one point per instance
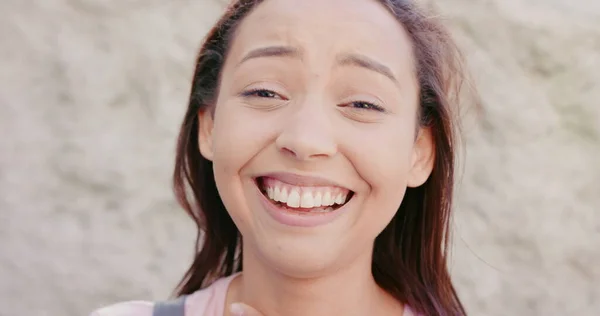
(363, 105)
(260, 93)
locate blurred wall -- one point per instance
(92, 92)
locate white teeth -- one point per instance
(283, 195)
(307, 200)
(339, 199)
(293, 200)
(327, 199)
(318, 199)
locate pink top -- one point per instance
(207, 302)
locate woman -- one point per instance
(317, 158)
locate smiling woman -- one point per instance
(317, 159)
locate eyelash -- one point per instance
(255, 93)
(366, 105)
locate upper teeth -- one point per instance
(304, 197)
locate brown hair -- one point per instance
(410, 255)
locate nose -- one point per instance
(307, 135)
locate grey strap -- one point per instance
(174, 307)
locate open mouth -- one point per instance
(303, 199)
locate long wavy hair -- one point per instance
(410, 255)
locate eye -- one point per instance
(363, 105)
(261, 93)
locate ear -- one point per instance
(205, 133)
(423, 158)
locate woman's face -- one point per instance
(314, 139)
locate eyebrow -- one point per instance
(272, 51)
(352, 59)
(367, 63)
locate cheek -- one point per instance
(237, 138)
(384, 161)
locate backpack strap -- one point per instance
(174, 307)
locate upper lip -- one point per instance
(302, 180)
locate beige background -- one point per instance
(92, 91)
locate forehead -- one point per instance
(325, 27)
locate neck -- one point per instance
(349, 291)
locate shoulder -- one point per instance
(208, 301)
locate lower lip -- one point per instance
(298, 219)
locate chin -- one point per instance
(306, 258)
